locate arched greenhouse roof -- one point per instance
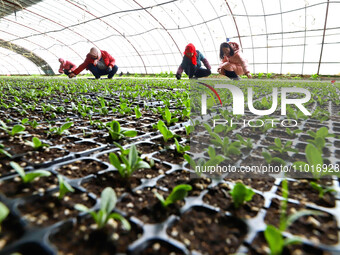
(276, 36)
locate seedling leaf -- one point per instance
(241, 193)
(274, 239)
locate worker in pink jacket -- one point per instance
(66, 66)
(233, 64)
(99, 62)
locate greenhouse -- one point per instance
(169, 127)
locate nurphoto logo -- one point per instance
(238, 100)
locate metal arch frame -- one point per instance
(91, 24)
(218, 59)
(251, 34)
(238, 32)
(41, 47)
(323, 36)
(205, 25)
(8, 70)
(304, 42)
(38, 61)
(39, 15)
(121, 35)
(265, 24)
(161, 36)
(7, 10)
(219, 18)
(65, 28)
(180, 29)
(113, 29)
(14, 67)
(159, 24)
(199, 39)
(132, 17)
(40, 33)
(24, 9)
(5, 68)
(281, 36)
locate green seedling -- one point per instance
(167, 116)
(180, 148)
(61, 130)
(108, 200)
(167, 134)
(314, 164)
(64, 187)
(137, 112)
(24, 121)
(263, 104)
(246, 143)
(314, 77)
(36, 143)
(17, 129)
(189, 129)
(241, 194)
(295, 114)
(3, 151)
(320, 114)
(293, 133)
(224, 128)
(321, 189)
(123, 151)
(185, 113)
(3, 213)
(117, 133)
(124, 108)
(28, 177)
(269, 75)
(178, 193)
(322, 132)
(270, 159)
(274, 236)
(318, 142)
(33, 124)
(130, 164)
(202, 163)
(282, 148)
(228, 147)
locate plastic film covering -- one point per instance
(278, 36)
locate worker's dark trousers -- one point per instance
(98, 72)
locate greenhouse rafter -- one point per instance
(39, 62)
(150, 37)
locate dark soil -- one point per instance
(110, 179)
(15, 188)
(259, 247)
(81, 168)
(170, 156)
(209, 233)
(219, 196)
(83, 238)
(305, 193)
(47, 210)
(44, 156)
(316, 228)
(175, 178)
(145, 206)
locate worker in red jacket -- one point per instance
(66, 66)
(99, 62)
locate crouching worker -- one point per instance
(191, 64)
(66, 66)
(233, 64)
(99, 62)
